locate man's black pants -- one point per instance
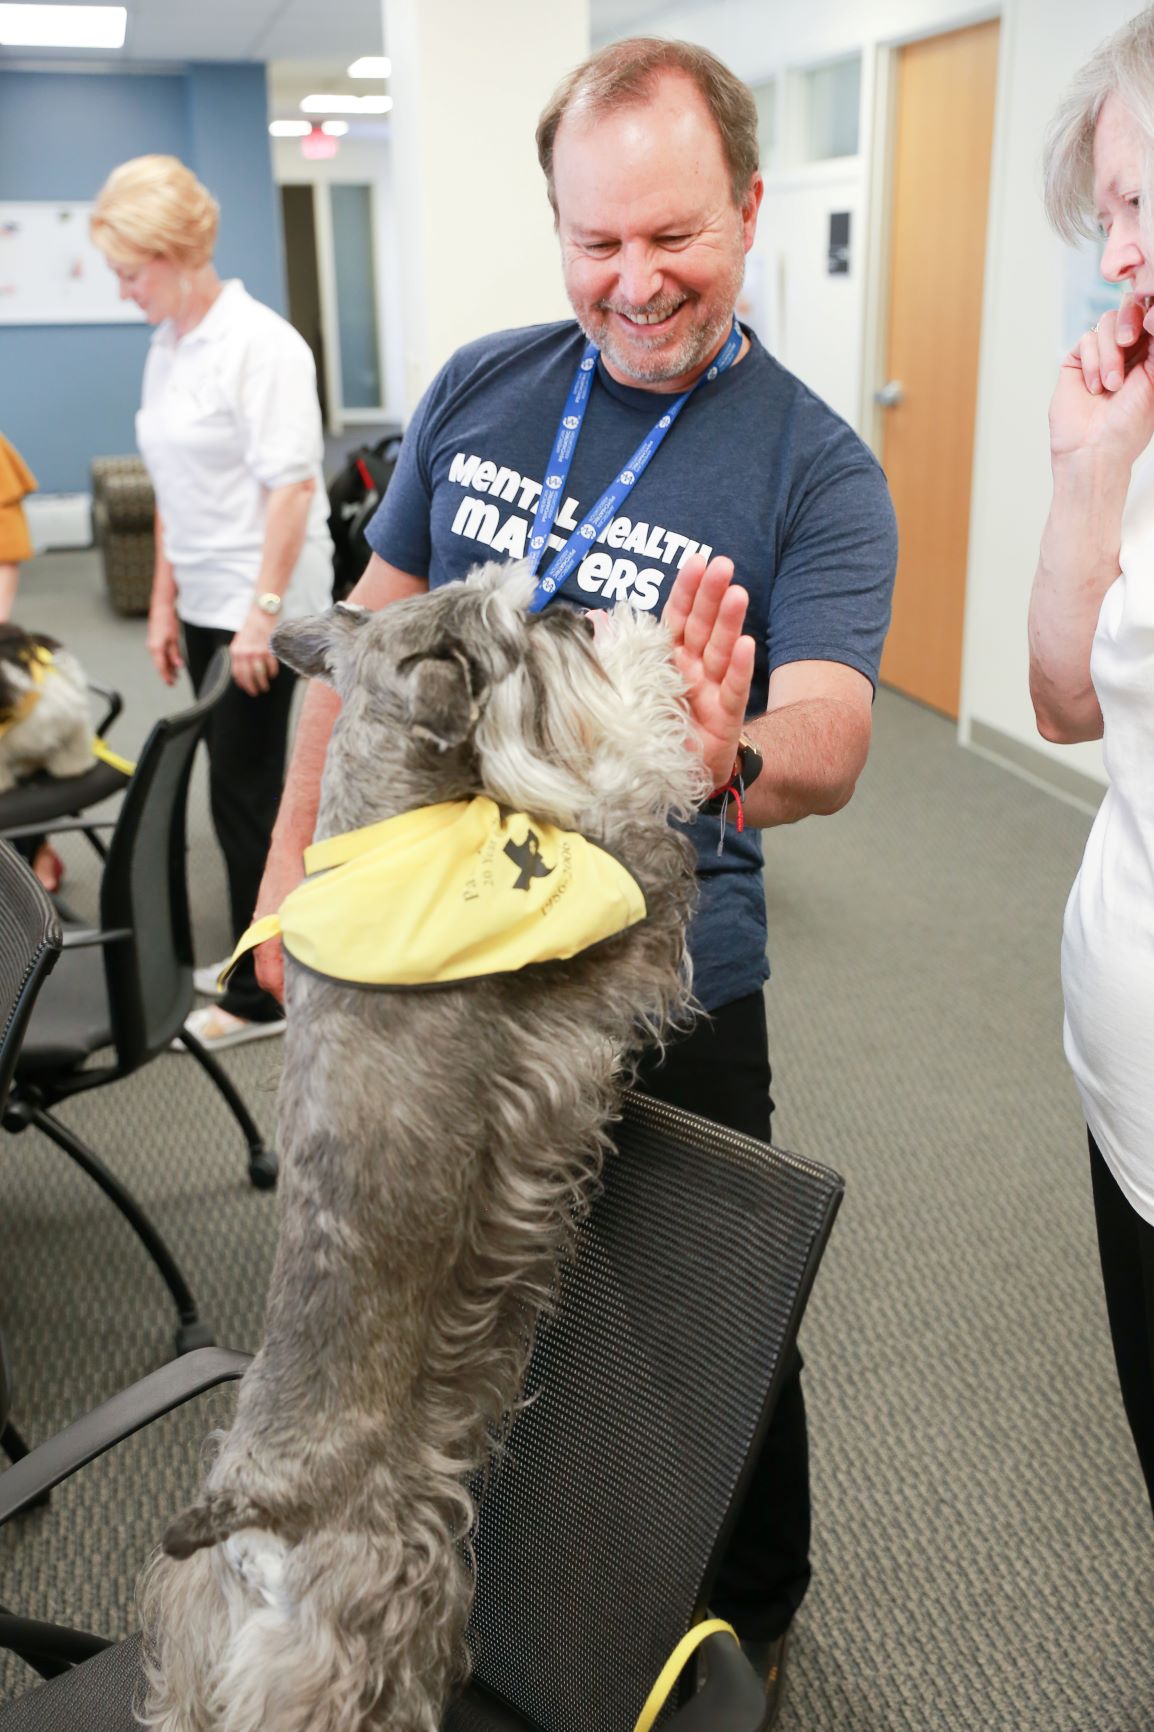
(1126, 1248)
(720, 1069)
(247, 741)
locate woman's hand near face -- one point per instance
(1104, 400)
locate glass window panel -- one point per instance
(356, 296)
(765, 96)
(832, 108)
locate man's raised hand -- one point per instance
(704, 615)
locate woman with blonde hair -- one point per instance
(230, 429)
(1092, 672)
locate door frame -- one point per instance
(883, 116)
(337, 416)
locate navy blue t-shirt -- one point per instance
(756, 468)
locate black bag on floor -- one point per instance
(354, 494)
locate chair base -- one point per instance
(262, 1161)
(263, 1168)
(24, 1109)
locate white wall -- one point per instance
(468, 84)
(362, 163)
(1044, 42)
(814, 320)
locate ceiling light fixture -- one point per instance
(26, 26)
(289, 128)
(371, 66)
(346, 104)
(334, 128)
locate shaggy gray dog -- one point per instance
(437, 1146)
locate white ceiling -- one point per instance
(165, 31)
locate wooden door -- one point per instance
(943, 137)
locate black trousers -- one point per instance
(247, 742)
(1126, 1248)
(720, 1069)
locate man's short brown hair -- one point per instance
(625, 72)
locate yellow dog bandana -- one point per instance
(446, 893)
(36, 664)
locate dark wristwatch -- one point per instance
(747, 767)
(750, 762)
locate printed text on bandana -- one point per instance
(630, 561)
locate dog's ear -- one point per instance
(311, 645)
(440, 702)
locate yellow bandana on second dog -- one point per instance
(36, 663)
(449, 892)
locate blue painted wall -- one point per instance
(69, 393)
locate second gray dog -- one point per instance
(437, 1145)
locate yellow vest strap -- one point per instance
(675, 1665)
(112, 759)
(258, 933)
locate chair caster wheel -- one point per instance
(262, 1169)
(193, 1335)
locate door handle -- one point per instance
(891, 394)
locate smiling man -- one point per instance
(638, 456)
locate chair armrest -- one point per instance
(114, 1420)
(11, 832)
(112, 701)
(732, 1699)
(84, 937)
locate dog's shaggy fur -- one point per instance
(56, 733)
(437, 1146)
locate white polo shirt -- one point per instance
(1108, 937)
(229, 411)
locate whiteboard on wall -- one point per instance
(50, 271)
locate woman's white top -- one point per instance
(1108, 937)
(229, 411)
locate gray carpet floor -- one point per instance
(983, 1549)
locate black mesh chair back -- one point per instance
(602, 1524)
(144, 888)
(29, 945)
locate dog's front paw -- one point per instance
(208, 1523)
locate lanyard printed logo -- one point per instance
(619, 488)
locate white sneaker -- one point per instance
(216, 1029)
(204, 979)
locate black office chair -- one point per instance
(128, 984)
(30, 941)
(603, 1521)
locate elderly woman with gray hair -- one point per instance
(1092, 671)
(230, 428)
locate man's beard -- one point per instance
(698, 344)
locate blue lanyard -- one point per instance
(618, 490)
